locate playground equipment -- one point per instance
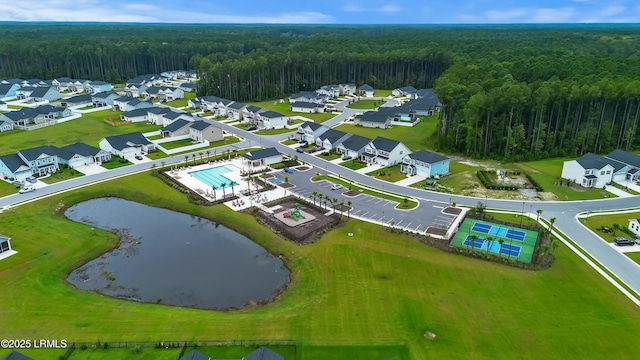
(295, 213)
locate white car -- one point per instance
(27, 189)
(336, 187)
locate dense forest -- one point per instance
(512, 92)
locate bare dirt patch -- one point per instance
(351, 193)
(452, 210)
(302, 168)
(286, 185)
(436, 231)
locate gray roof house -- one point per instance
(13, 166)
(263, 353)
(625, 157)
(353, 146)
(591, 170)
(375, 119)
(202, 131)
(176, 128)
(404, 91)
(6, 125)
(365, 90)
(135, 115)
(126, 145)
(80, 154)
(263, 157)
(385, 152)
(103, 99)
(331, 138)
(195, 355)
(14, 355)
(235, 110)
(306, 107)
(45, 93)
(43, 160)
(77, 101)
(310, 130)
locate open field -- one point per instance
(382, 92)
(391, 174)
(365, 104)
(274, 131)
(416, 138)
(375, 293)
(353, 164)
(7, 188)
(90, 128)
(115, 163)
(176, 144)
(64, 173)
(283, 108)
(182, 102)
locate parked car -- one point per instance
(138, 157)
(300, 150)
(346, 158)
(336, 187)
(31, 179)
(288, 170)
(17, 182)
(637, 241)
(27, 189)
(623, 242)
(302, 141)
(251, 128)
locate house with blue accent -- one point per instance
(42, 160)
(96, 87)
(13, 166)
(8, 91)
(425, 163)
(384, 152)
(631, 160)
(6, 125)
(591, 170)
(38, 94)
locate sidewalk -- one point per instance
(620, 193)
(630, 184)
(369, 169)
(410, 180)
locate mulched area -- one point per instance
(267, 176)
(302, 168)
(345, 208)
(303, 233)
(351, 193)
(436, 231)
(286, 185)
(452, 210)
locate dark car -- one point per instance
(251, 128)
(299, 150)
(346, 158)
(623, 242)
(302, 141)
(31, 179)
(138, 157)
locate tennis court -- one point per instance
(500, 240)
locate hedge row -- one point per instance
(491, 186)
(534, 183)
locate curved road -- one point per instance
(564, 212)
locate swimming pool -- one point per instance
(213, 176)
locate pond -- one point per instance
(176, 259)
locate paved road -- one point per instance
(564, 212)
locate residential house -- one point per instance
(365, 91)
(250, 114)
(176, 128)
(591, 170)
(61, 83)
(310, 131)
(174, 74)
(150, 93)
(331, 138)
(263, 353)
(261, 158)
(202, 130)
(38, 94)
(147, 80)
(135, 90)
(80, 154)
(194, 103)
(3, 106)
(271, 120)
(8, 90)
(332, 91)
(44, 113)
(42, 160)
(77, 85)
(408, 91)
(306, 107)
(189, 87)
(627, 158)
(353, 146)
(347, 89)
(156, 114)
(308, 96)
(20, 117)
(6, 125)
(14, 355)
(18, 82)
(195, 355)
(104, 99)
(380, 119)
(425, 163)
(385, 152)
(426, 105)
(77, 101)
(24, 92)
(127, 103)
(214, 104)
(13, 166)
(235, 110)
(127, 145)
(136, 115)
(96, 87)
(6, 251)
(634, 226)
(170, 94)
(171, 116)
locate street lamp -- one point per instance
(522, 213)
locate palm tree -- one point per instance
(194, 158)
(325, 202)
(349, 209)
(232, 184)
(208, 153)
(473, 241)
(333, 204)
(222, 185)
(551, 222)
(186, 158)
(539, 211)
(616, 227)
(313, 196)
(341, 208)
(200, 153)
(489, 240)
(501, 241)
(248, 180)
(214, 191)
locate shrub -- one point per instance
(534, 183)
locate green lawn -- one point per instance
(226, 141)
(547, 172)
(88, 129)
(62, 175)
(182, 102)
(7, 188)
(381, 92)
(154, 137)
(273, 131)
(419, 137)
(125, 353)
(283, 108)
(595, 222)
(115, 163)
(366, 104)
(354, 164)
(391, 174)
(328, 155)
(369, 296)
(635, 256)
(177, 144)
(621, 187)
(462, 180)
(289, 142)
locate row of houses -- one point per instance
(148, 86)
(30, 116)
(261, 118)
(382, 151)
(595, 171)
(407, 114)
(41, 90)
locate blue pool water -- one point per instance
(213, 176)
(276, 180)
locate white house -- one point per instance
(5, 247)
(404, 91)
(376, 119)
(250, 114)
(385, 152)
(331, 138)
(136, 115)
(306, 107)
(353, 146)
(271, 120)
(171, 116)
(310, 131)
(126, 145)
(80, 154)
(627, 158)
(634, 226)
(425, 163)
(263, 157)
(591, 170)
(3, 106)
(135, 90)
(103, 99)
(235, 110)
(6, 125)
(365, 90)
(331, 91)
(13, 166)
(176, 128)
(347, 89)
(308, 96)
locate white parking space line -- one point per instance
(363, 215)
(418, 227)
(379, 201)
(390, 221)
(409, 224)
(438, 207)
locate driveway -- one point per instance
(91, 169)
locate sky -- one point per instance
(325, 12)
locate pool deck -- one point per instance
(182, 175)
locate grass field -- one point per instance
(369, 296)
(327, 155)
(365, 104)
(416, 138)
(226, 141)
(89, 129)
(391, 174)
(115, 163)
(7, 188)
(353, 164)
(595, 222)
(273, 131)
(62, 175)
(382, 92)
(177, 144)
(283, 108)
(182, 102)
(289, 142)
(635, 256)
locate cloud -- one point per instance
(505, 16)
(549, 15)
(391, 8)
